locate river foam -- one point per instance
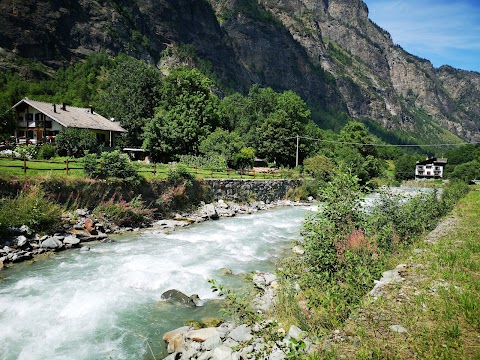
(105, 303)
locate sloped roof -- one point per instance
(74, 116)
(435, 161)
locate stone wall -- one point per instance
(246, 190)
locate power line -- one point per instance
(370, 144)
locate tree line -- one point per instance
(185, 113)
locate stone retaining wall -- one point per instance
(246, 190)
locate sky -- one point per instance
(444, 32)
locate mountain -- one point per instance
(328, 51)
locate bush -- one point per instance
(179, 174)
(124, 213)
(27, 151)
(110, 164)
(244, 158)
(47, 151)
(210, 161)
(320, 167)
(32, 208)
(76, 142)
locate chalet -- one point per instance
(40, 122)
(430, 168)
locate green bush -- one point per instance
(179, 174)
(110, 164)
(124, 213)
(47, 151)
(27, 151)
(210, 161)
(32, 208)
(76, 142)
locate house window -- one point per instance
(30, 117)
(48, 124)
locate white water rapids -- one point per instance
(105, 303)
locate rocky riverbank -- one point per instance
(232, 341)
(81, 226)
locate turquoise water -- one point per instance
(105, 303)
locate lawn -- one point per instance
(58, 167)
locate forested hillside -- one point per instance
(328, 52)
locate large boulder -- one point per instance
(241, 333)
(178, 297)
(222, 353)
(22, 242)
(201, 335)
(71, 240)
(52, 243)
(174, 338)
(210, 211)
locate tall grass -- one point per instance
(32, 208)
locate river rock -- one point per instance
(88, 225)
(222, 353)
(241, 333)
(85, 248)
(298, 250)
(212, 342)
(178, 297)
(22, 241)
(25, 230)
(7, 249)
(277, 355)
(201, 335)
(82, 212)
(1, 264)
(71, 240)
(210, 211)
(175, 338)
(295, 333)
(263, 280)
(52, 243)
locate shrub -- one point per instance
(47, 151)
(27, 151)
(124, 213)
(179, 174)
(210, 161)
(112, 164)
(75, 142)
(32, 208)
(320, 167)
(244, 158)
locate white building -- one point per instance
(430, 168)
(40, 122)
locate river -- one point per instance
(106, 303)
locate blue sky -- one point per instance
(444, 32)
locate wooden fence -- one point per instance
(155, 169)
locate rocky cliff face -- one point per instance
(326, 50)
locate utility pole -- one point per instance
(298, 142)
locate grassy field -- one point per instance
(57, 167)
(438, 303)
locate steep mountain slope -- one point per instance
(326, 50)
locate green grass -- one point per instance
(57, 167)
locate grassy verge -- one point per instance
(57, 168)
(438, 303)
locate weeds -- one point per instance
(124, 213)
(32, 208)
